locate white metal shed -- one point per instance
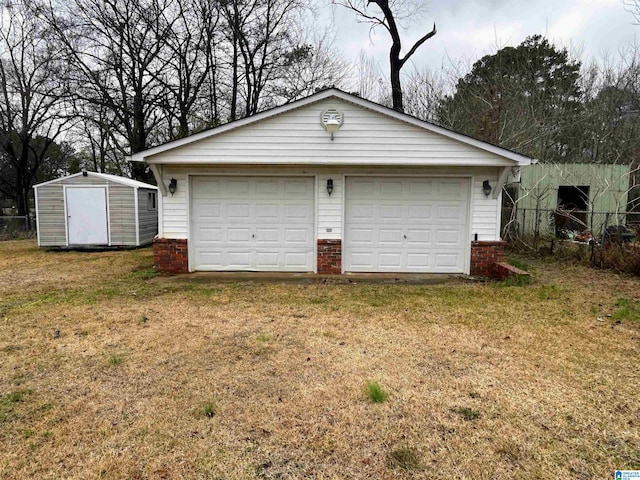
(92, 209)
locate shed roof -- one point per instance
(105, 176)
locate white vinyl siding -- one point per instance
(485, 213)
(366, 138)
(175, 221)
(330, 207)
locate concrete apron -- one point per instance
(314, 278)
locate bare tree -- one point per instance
(369, 80)
(424, 92)
(313, 65)
(32, 113)
(633, 7)
(261, 47)
(188, 61)
(388, 20)
(115, 48)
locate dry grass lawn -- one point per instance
(109, 372)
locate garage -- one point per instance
(330, 183)
(406, 224)
(252, 223)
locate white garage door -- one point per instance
(252, 223)
(406, 224)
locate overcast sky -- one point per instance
(469, 29)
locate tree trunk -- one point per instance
(396, 86)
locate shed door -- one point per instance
(252, 223)
(406, 224)
(87, 216)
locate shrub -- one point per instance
(624, 258)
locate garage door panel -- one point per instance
(362, 258)
(417, 260)
(267, 235)
(418, 237)
(238, 258)
(362, 186)
(448, 260)
(267, 259)
(448, 237)
(267, 212)
(389, 236)
(391, 212)
(299, 236)
(419, 213)
(212, 259)
(419, 189)
(297, 260)
(211, 211)
(296, 187)
(389, 260)
(267, 188)
(234, 187)
(406, 224)
(391, 188)
(239, 211)
(238, 235)
(210, 235)
(449, 213)
(253, 223)
(297, 212)
(362, 213)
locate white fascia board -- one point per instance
(199, 161)
(520, 160)
(57, 180)
(129, 182)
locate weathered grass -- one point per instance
(550, 370)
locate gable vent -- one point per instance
(331, 116)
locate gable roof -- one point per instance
(104, 176)
(520, 160)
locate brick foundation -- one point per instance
(171, 255)
(330, 256)
(484, 256)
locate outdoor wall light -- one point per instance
(330, 186)
(332, 126)
(486, 188)
(173, 185)
(331, 120)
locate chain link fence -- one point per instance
(570, 224)
(16, 227)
